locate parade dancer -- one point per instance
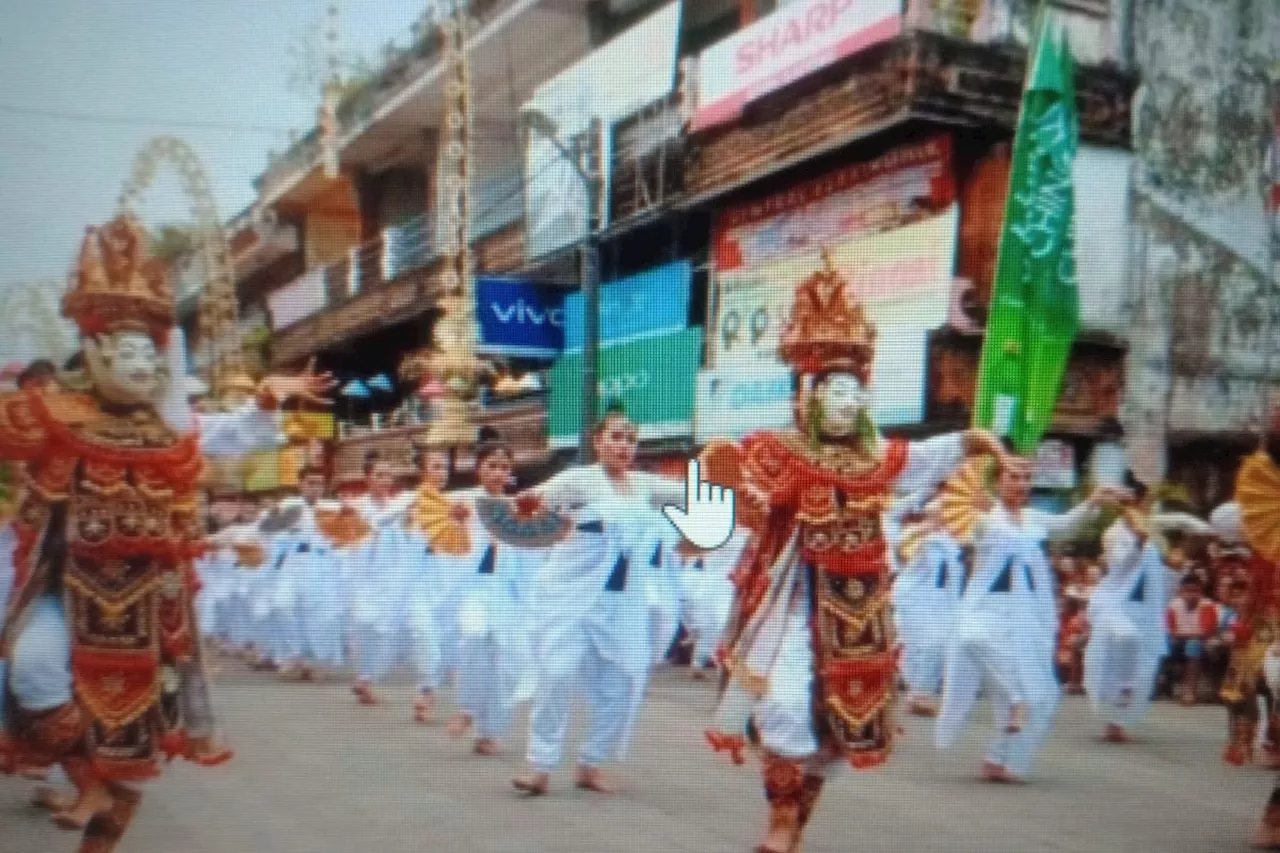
(592, 614)
(285, 531)
(809, 655)
(1252, 520)
(1007, 625)
(108, 531)
(438, 555)
(495, 631)
(1126, 614)
(1127, 636)
(320, 605)
(381, 579)
(926, 596)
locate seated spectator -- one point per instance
(1192, 621)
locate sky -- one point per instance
(84, 85)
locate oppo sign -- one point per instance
(619, 384)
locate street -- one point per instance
(315, 773)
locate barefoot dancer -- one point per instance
(810, 659)
(593, 608)
(1007, 626)
(105, 670)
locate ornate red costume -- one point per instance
(810, 656)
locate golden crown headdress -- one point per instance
(117, 285)
(828, 329)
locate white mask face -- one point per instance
(125, 367)
(844, 398)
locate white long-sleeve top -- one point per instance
(246, 430)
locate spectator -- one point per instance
(1230, 598)
(1192, 621)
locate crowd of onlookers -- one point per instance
(1209, 583)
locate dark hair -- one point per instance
(371, 458)
(74, 363)
(615, 408)
(490, 442)
(1190, 580)
(39, 369)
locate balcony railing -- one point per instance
(398, 250)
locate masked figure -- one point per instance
(103, 671)
(810, 658)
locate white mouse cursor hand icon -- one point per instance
(707, 519)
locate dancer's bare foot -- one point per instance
(921, 706)
(424, 708)
(1116, 734)
(486, 746)
(364, 694)
(51, 799)
(1266, 837)
(992, 772)
(592, 779)
(459, 724)
(94, 800)
(1017, 719)
(533, 783)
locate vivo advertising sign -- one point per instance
(791, 43)
(519, 319)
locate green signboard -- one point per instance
(655, 378)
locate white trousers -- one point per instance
(923, 661)
(486, 686)
(572, 657)
(40, 678)
(1017, 680)
(991, 652)
(784, 717)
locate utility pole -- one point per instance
(590, 279)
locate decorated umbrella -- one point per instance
(354, 390)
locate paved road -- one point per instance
(315, 774)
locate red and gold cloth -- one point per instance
(817, 510)
(111, 522)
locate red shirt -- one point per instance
(1200, 622)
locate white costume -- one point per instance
(592, 614)
(381, 576)
(926, 595)
(1006, 632)
(1127, 635)
(494, 625)
(438, 585)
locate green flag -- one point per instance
(1035, 304)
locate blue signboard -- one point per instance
(655, 302)
(520, 319)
